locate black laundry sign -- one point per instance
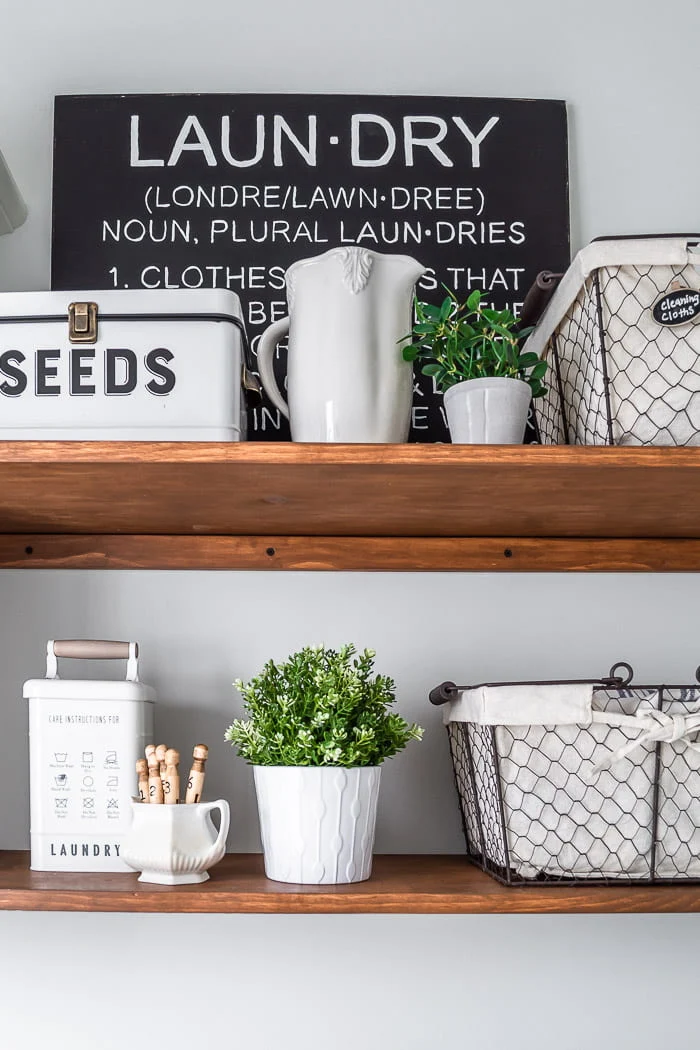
(226, 191)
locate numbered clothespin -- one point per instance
(195, 781)
(160, 755)
(171, 784)
(155, 784)
(142, 771)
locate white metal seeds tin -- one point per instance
(84, 739)
(123, 365)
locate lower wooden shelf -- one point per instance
(434, 884)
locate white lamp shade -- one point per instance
(13, 210)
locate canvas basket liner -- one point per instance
(600, 323)
(594, 782)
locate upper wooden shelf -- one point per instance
(261, 505)
(415, 884)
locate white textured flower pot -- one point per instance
(488, 411)
(317, 822)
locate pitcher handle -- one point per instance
(224, 809)
(266, 347)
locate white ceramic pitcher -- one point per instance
(346, 377)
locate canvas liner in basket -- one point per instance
(578, 780)
(621, 374)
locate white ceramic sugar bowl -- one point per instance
(175, 845)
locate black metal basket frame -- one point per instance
(593, 345)
(506, 874)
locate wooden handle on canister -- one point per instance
(142, 770)
(155, 784)
(171, 784)
(195, 781)
(91, 649)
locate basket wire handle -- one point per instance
(617, 678)
(446, 691)
(443, 693)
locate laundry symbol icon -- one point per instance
(61, 803)
(112, 803)
(88, 758)
(60, 756)
(61, 780)
(88, 781)
(111, 758)
(88, 803)
(112, 782)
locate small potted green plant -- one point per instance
(474, 355)
(319, 726)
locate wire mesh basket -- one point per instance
(578, 781)
(622, 338)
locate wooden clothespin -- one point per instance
(155, 784)
(160, 755)
(171, 784)
(142, 770)
(195, 781)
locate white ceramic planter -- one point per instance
(488, 411)
(317, 822)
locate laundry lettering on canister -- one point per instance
(85, 372)
(84, 849)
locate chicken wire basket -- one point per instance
(621, 335)
(578, 781)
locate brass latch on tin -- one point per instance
(82, 322)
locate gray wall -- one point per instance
(628, 71)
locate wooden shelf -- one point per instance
(296, 506)
(398, 507)
(404, 884)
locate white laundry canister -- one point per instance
(84, 739)
(124, 366)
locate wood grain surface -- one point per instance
(288, 489)
(348, 553)
(434, 884)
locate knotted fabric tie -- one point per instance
(657, 726)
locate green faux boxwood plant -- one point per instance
(458, 341)
(320, 707)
